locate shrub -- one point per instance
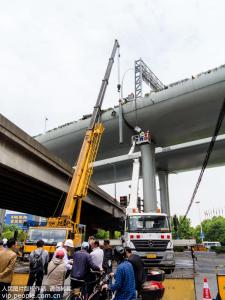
(218, 250)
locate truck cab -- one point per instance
(51, 236)
(150, 236)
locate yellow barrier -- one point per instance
(19, 283)
(20, 279)
(179, 288)
(221, 286)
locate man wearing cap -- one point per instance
(56, 276)
(82, 264)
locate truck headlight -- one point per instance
(169, 256)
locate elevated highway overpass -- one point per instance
(35, 181)
(185, 111)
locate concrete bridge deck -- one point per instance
(35, 181)
(186, 111)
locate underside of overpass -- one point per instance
(34, 181)
(24, 194)
(174, 159)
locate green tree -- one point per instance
(102, 234)
(117, 234)
(9, 230)
(214, 229)
(185, 230)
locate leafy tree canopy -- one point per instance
(213, 229)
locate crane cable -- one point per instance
(208, 153)
(118, 73)
(60, 199)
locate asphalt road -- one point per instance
(207, 265)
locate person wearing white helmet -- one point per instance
(5, 240)
(66, 246)
(59, 245)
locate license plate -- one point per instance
(151, 255)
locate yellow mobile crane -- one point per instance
(68, 224)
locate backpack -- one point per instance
(36, 264)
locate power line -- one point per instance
(208, 153)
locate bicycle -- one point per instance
(81, 293)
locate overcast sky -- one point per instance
(53, 56)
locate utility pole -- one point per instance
(201, 231)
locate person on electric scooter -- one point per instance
(124, 284)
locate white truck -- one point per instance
(150, 236)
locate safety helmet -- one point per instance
(69, 243)
(5, 240)
(59, 244)
(119, 253)
(59, 254)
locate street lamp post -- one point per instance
(198, 202)
(120, 106)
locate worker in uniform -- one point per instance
(7, 265)
(124, 285)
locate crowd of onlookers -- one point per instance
(74, 264)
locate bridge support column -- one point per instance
(148, 173)
(164, 192)
(2, 219)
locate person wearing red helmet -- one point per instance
(56, 276)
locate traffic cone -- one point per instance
(206, 290)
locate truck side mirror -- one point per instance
(175, 223)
